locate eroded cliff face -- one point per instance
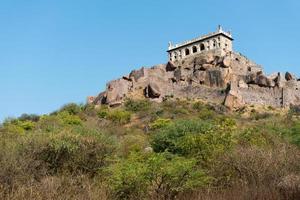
(230, 79)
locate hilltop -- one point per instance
(212, 76)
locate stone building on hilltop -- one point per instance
(219, 40)
(207, 69)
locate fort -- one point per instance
(220, 40)
(207, 69)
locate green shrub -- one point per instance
(201, 139)
(252, 136)
(29, 117)
(27, 125)
(102, 114)
(137, 105)
(9, 128)
(134, 142)
(69, 119)
(128, 178)
(257, 116)
(16, 126)
(171, 175)
(50, 123)
(198, 106)
(293, 133)
(160, 123)
(161, 176)
(77, 150)
(71, 108)
(206, 114)
(119, 116)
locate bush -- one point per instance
(77, 151)
(134, 142)
(162, 176)
(137, 105)
(29, 117)
(260, 167)
(160, 123)
(102, 113)
(16, 126)
(206, 114)
(119, 116)
(292, 134)
(200, 139)
(253, 136)
(128, 178)
(71, 108)
(69, 119)
(50, 123)
(294, 110)
(257, 116)
(27, 125)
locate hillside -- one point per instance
(176, 149)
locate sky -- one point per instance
(54, 52)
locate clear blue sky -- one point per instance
(57, 51)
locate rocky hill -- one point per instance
(230, 79)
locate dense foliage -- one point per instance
(143, 150)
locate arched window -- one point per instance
(214, 43)
(187, 52)
(194, 49)
(202, 47)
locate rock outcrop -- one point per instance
(229, 78)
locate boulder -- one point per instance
(152, 91)
(289, 76)
(226, 62)
(204, 59)
(215, 78)
(116, 91)
(242, 84)
(137, 74)
(170, 66)
(177, 74)
(262, 81)
(234, 100)
(206, 66)
(200, 76)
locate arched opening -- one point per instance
(214, 44)
(202, 47)
(187, 52)
(194, 49)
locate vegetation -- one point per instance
(144, 150)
